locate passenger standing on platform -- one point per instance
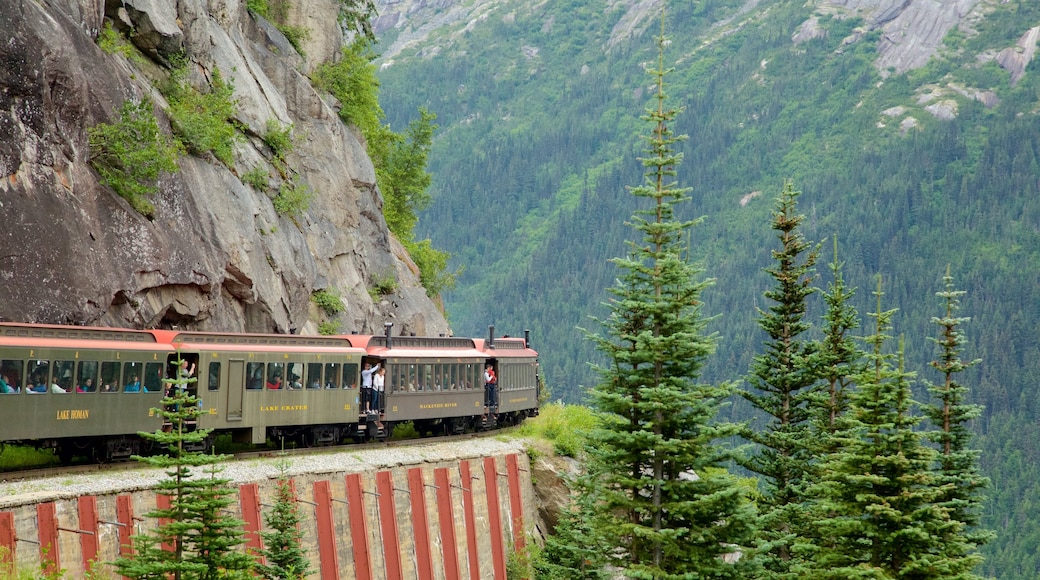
(490, 385)
(378, 388)
(366, 386)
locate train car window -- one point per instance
(132, 372)
(313, 379)
(213, 376)
(86, 376)
(452, 377)
(109, 377)
(41, 370)
(333, 376)
(415, 376)
(294, 376)
(62, 376)
(153, 377)
(394, 378)
(276, 376)
(255, 372)
(350, 375)
(10, 377)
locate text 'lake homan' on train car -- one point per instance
(80, 390)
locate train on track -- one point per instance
(89, 391)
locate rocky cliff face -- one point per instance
(216, 255)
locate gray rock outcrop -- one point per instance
(1015, 59)
(216, 256)
(912, 30)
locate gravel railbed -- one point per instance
(348, 460)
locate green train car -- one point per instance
(90, 391)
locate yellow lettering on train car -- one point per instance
(519, 400)
(73, 414)
(62, 415)
(346, 407)
(439, 406)
(212, 411)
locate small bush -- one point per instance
(256, 178)
(110, 41)
(293, 199)
(328, 327)
(130, 154)
(279, 138)
(296, 35)
(328, 300)
(404, 430)
(203, 120)
(383, 285)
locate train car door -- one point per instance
(235, 382)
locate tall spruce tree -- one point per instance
(667, 507)
(877, 493)
(572, 551)
(958, 464)
(780, 384)
(195, 538)
(838, 360)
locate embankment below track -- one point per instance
(428, 510)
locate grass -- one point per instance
(565, 426)
(22, 457)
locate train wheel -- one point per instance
(99, 453)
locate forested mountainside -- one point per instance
(912, 129)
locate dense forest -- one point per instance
(538, 110)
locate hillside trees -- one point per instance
(781, 381)
(195, 538)
(666, 506)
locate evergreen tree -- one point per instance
(572, 551)
(838, 359)
(195, 539)
(781, 381)
(877, 493)
(667, 506)
(958, 465)
(284, 558)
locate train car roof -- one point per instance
(82, 337)
(506, 347)
(263, 342)
(417, 346)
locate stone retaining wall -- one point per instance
(451, 517)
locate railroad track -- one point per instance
(8, 476)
